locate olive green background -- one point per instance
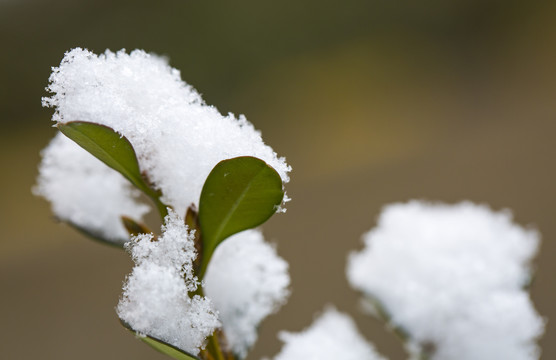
(371, 101)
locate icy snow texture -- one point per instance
(155, 301)
(85, 192)
(246, 281)
(332, 336)
(177, 137)
(453, 276)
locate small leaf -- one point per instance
(167, 349)
(108, 146)
(112, 149)
(133, 227)
(239, 194)
(162, 346)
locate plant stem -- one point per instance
(214, 345)
(214, 348)
(162, 208)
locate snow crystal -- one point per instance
(85, 192)
(452, 276)
(247, 281)
(177, 137)
(155, 301)
(332, 336)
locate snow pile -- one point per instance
(453, 277)
(177, 137)
(155, 301)
(246, 281)
(332, 336)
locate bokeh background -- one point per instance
(371, 101)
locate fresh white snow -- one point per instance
(177, 137)
(452, 276)
(247, 281)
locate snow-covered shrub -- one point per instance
(134, 138)
(129, 125)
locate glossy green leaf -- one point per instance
(239, 194)
(162, 346)
(108, 146)
(112, 149)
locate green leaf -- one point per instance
(239, 194)
(167, 349)
(112, 149)
(162, 346)
(108, 146)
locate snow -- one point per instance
(177, 137)
(247, 281)
(155, 301)
(332, 336)
(452, 276)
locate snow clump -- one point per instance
(177, 137)
(246, 281)
(453, 278)
(155, 301)
(332, 336)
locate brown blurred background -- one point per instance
(371, 101)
